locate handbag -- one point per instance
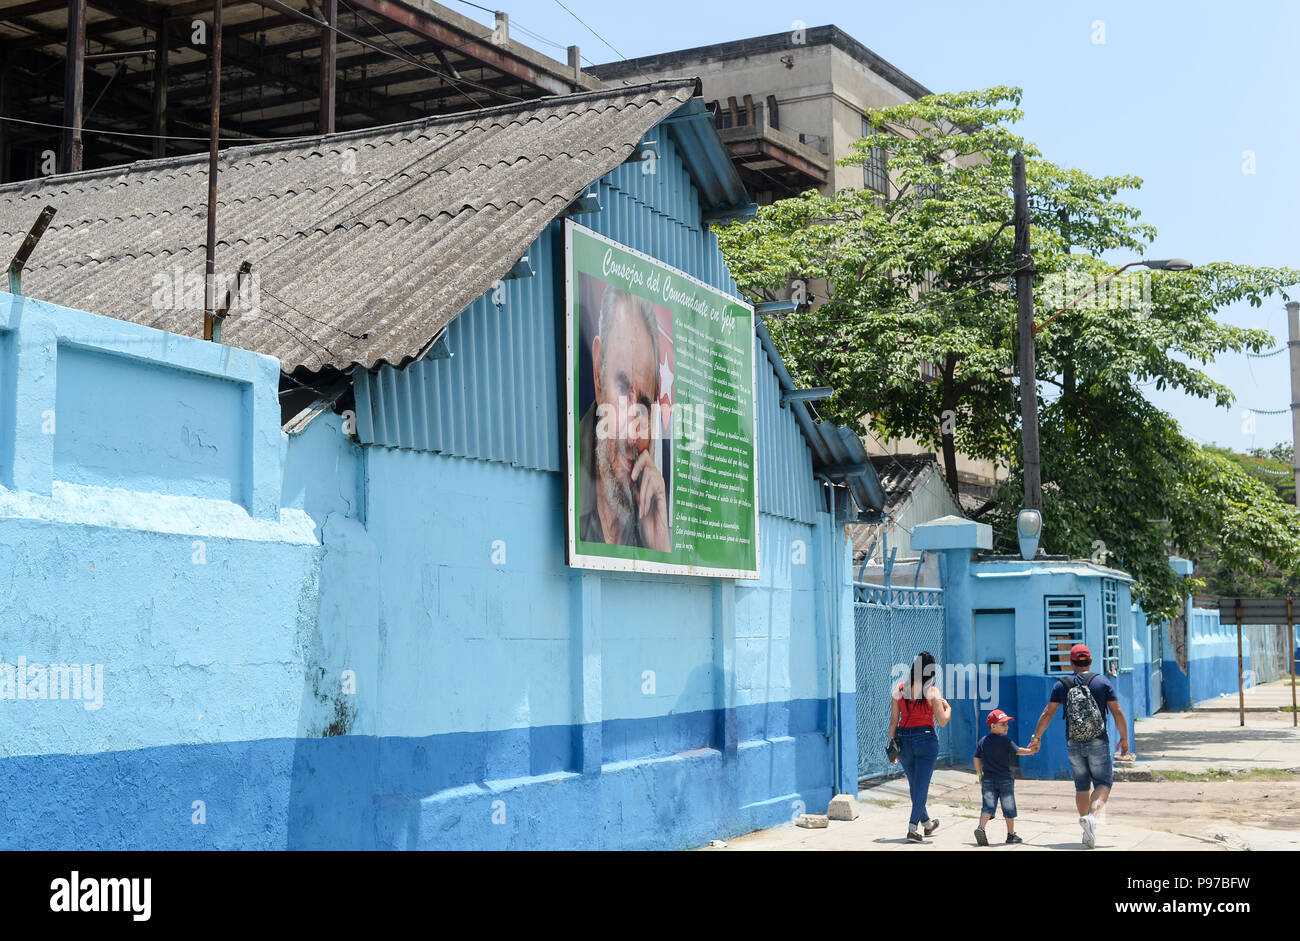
(894, 747)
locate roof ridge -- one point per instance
(230, 154)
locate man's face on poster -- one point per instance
(626, 376)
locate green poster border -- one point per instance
(624, 558)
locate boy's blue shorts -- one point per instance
(1004, 791)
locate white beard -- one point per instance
(618, 494)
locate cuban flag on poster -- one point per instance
(664, 432)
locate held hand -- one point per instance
(652, 502)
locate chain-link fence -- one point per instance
(893, 626)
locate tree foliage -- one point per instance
(916, 328)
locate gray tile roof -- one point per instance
(365, 243)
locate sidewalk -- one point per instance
(1267, 697)
(1167, 799)
(1212, 737)
(954, 801)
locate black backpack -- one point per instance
(1083, 720)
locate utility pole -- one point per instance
(1293, 349)
(1025, 295)
(74, 84)
(210, 281)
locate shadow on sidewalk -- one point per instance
(1152, 741)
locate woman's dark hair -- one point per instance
(922, 675)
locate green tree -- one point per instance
(918, 326)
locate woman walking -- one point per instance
(915, 707)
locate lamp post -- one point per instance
(1156, 264)
(1030, 522)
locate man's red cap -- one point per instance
(1080, 652)
(997, 715)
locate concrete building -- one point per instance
(788, 106)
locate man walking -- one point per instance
(1086, 697)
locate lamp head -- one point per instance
(1169, 264)
(1029, 530)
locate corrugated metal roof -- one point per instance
(838, 453)
(366, 244)
(900, 473)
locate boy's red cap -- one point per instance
(1080, 652)
(997, 715)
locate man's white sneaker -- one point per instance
(1089, 824)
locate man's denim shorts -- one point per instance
(1091, 763)
(1003, 790)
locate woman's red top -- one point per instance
(914, 713)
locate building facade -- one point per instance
(316, 584)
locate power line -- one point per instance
(590, 30)
(413, 59)
(107, 133)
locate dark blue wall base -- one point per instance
(1213, 676)
(514, 789)
(1052, 762)
(1178, 687)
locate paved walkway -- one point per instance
(1199, 811)
(1212, 736)
(952, 800)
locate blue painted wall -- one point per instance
(1019, 589)
(375, 642)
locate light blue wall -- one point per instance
(384, 647)
(197, 611)
(1021, 588)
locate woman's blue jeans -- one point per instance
(919, 754)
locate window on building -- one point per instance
(928, 190)
(875, 169)
(1115, 658)
(1064, 615)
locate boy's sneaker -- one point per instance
(981, 837)
(931, 827)
(1089, 824)
(1013, 838)
(914, 837)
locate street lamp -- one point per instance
(1157, 264)
(1030, 526)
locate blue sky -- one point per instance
(1176, 94)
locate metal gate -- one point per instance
(893, 625)
(1156, 649)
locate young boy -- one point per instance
(993, 765)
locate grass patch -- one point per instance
(887, 804)
(1226, 774)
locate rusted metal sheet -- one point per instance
(491, 55)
